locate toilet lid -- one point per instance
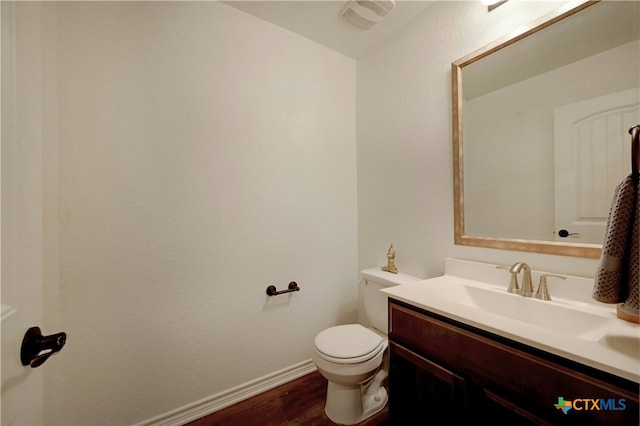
(346, 342)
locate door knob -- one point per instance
(36, 348)
(564, 233)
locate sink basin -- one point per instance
(572, 325)
(557, 316)
(628, 345)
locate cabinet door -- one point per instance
(422, 392)
(501, 410)
(504, 380)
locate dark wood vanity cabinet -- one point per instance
(443, 372)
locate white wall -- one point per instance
(203, 155)
(405, 174)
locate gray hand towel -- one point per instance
(618, 274)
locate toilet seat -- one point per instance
(348, 344)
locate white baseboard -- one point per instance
(204, 407)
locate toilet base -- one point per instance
(347, 405)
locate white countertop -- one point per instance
(614, 346)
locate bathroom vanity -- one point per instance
(456, 358)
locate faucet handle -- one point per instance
(543, 290)
(514, 287)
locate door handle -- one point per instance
(36, 348)
(564, 233)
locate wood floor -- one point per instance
(300, 402)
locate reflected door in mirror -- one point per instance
(591, 146)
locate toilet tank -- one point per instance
(375, 302)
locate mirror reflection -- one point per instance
(545, 119)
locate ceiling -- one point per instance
(321, 22)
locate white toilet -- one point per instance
(353, 358)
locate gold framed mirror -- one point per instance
(509, 174)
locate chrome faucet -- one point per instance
(514, 287)
(527, 287)
(543, 291)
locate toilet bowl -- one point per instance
(349, 356)
(354, 358)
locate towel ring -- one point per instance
(635, 151)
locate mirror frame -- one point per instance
(592, 251)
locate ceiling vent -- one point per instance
(366, 13)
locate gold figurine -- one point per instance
(391, 261)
